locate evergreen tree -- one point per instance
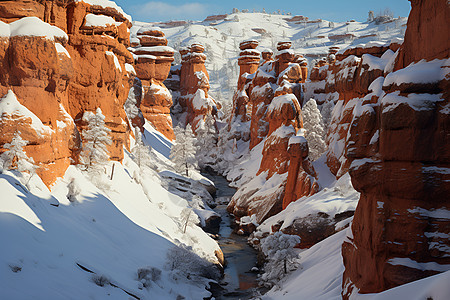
(15, 157)
(183, 150)
(141, 152)
(280, 253)
(206, 142)
(96, 140)
(315, 132)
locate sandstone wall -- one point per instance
(61, 70)
(403, 214)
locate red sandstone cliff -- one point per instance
(60, 59)
(389, 129)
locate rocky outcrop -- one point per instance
(301, 180)
(194, 86)
(241, 114)
(153, 60)
(274, 94)
(59, 71)
(398, 143)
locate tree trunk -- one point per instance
(112, 171)
(187, 221)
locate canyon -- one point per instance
(378, 193)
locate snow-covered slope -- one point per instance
(118, 236)
(320, 277)
(311, 38)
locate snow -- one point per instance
(434, 287)
(417, 102)
(113, 230)
(5, 31)
(297, 139)
(200, 100)
(283, 132)
(221, 41)
(144, 56)
(130, 69)
(32, 26)
(440, 213)
(407, 262)
(10, 107)
(116, 60)
(378, 63)
(279, 101)
(60, 49)
(336, 198)
(436, 170)
(99, 20)
(422, 72)
(106, 4)
(310, 281)
(154, 49)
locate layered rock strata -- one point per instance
(57, 72)
(194, 86)
(249, 59)
(153, 59)
(401, 225)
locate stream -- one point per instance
(238, 281)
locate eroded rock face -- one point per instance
(273, 92)
(59, 72)
(153, 60)
(194, 86)
(242, 109)
(402, 219)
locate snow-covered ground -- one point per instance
(121, 235)
(320, 277)
(311, 38)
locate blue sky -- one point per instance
(333, 10)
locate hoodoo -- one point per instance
(153, 60)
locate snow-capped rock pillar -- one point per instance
(194, 86)
(153, 59)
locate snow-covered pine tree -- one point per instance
(326, 112)
(206, 143)
(141, 152)
(183, 150)
(281, 256)
(315, 132)
(15, 157)
(96, 140)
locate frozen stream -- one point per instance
(238, 281)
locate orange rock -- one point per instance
(432, 43)
(194, 86)
(402, 175)
(57, 80)
(153, 61)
